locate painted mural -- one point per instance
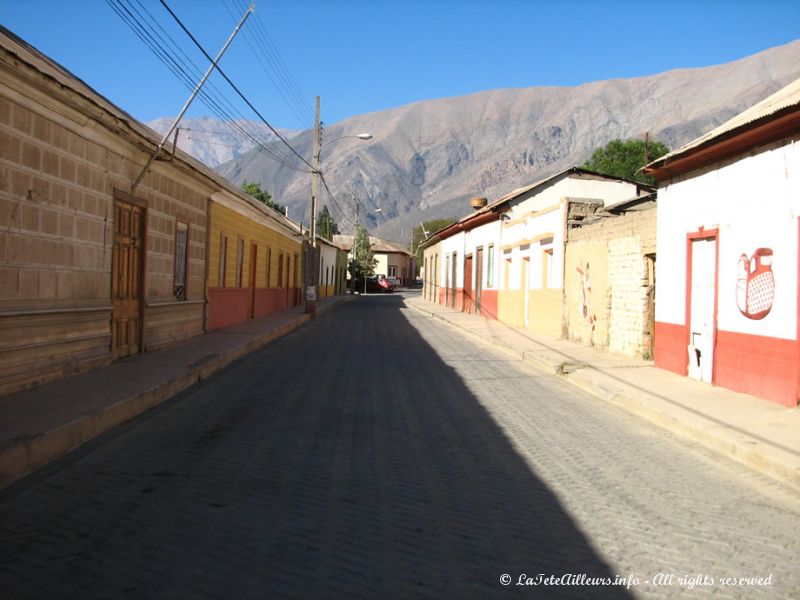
(585, 295)
(755, 285)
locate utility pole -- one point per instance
(196, 91)
(355, 246)
(311, 290)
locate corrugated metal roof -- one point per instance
(781, 100)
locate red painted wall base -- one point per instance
(228, 306)
(762, 366)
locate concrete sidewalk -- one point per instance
(758, 433)
(42, 424)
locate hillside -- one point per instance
(427, 158)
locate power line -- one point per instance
(285, 84)
(236, 89)
(181, 70)
(333, 201)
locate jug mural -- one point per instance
(755, 286)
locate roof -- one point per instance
(378, 245)
(119, 121)
(477, 218)
(783, 102)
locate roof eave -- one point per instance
(769, 129)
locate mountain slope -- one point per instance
(213, 142)
(426, 158)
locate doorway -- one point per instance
(251, 281)
(468, 302)
(126, 279)
(478, 278)
(702, 297)
(524, 278)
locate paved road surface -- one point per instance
(377, 453)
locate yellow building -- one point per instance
(254, 260)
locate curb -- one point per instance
(724, 441)
(25, 454)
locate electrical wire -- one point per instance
(211, 98)
(233, 85)
(282, 80)
(334, 202)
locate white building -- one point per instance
(727, 278)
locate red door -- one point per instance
(251, 281)
(468, 297)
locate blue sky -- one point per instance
(363, 56)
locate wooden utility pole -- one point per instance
(311, 289)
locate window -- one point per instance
(392, 270)
(280, 269)
(296, 272)
(490, 267)
(548, 279)
(268, 275)
(223, 259)
(288, 268)
(239, 262)
(181, 258)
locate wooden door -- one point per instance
(126, 279)
(478, 279)
(251, 281)
(468, 305)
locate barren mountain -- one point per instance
(428, 157)
(213, 142)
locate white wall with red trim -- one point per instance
(754, 203)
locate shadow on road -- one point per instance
(346, 460)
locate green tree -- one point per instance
(419, 235)
(326, 226)
(263, 196)
(363, 263)
(625, 158)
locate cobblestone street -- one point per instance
(378, 453)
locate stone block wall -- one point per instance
(618, 312)
(59, 168)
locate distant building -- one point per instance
(393, 260)
(728, 218)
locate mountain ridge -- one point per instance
(427, 157)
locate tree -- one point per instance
(626, 158)
(419, 235)
(326, 226)
(263, 196)
(363, 263)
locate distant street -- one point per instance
(378, 453)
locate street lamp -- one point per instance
(312, 271)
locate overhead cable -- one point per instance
(233, 85)
(211, 98)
